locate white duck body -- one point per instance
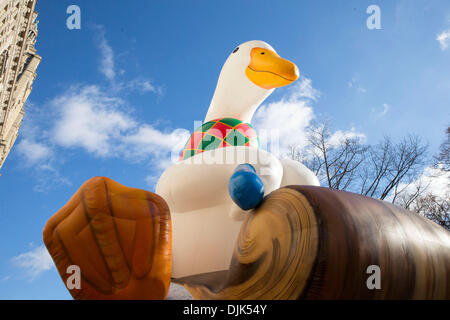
(205, 220)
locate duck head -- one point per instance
(250, 74)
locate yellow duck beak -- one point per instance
(268, 70)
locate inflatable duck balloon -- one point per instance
(207, 207)
(110, 241)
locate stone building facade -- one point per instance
(18, 64)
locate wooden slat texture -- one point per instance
(308, 242)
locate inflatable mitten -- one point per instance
(119, 237)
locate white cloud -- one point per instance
(304, 90)
(99, 122)
(141, 85)
(354, 82)
(32, 146)
(144, 86)
(438, 182)
(285, 123)
(95, 121)
(444, 39)
(34, 262)
(386, 108)
(152, 180)
(362, 89)
(148, 140)
(108, 69)
(106, 66)
(38, 152)
(379, 114)
(89, 119)
(435, 180)
(339, 136)
(33, 152)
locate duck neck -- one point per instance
(235, 97)
(226, 111)
(235, 106)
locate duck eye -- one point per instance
(263, 52)
(235, 49)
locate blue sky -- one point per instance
(112, 98)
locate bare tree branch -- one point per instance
(387, 170)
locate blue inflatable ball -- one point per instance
(246, 187)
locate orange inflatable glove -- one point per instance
(119, 237)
